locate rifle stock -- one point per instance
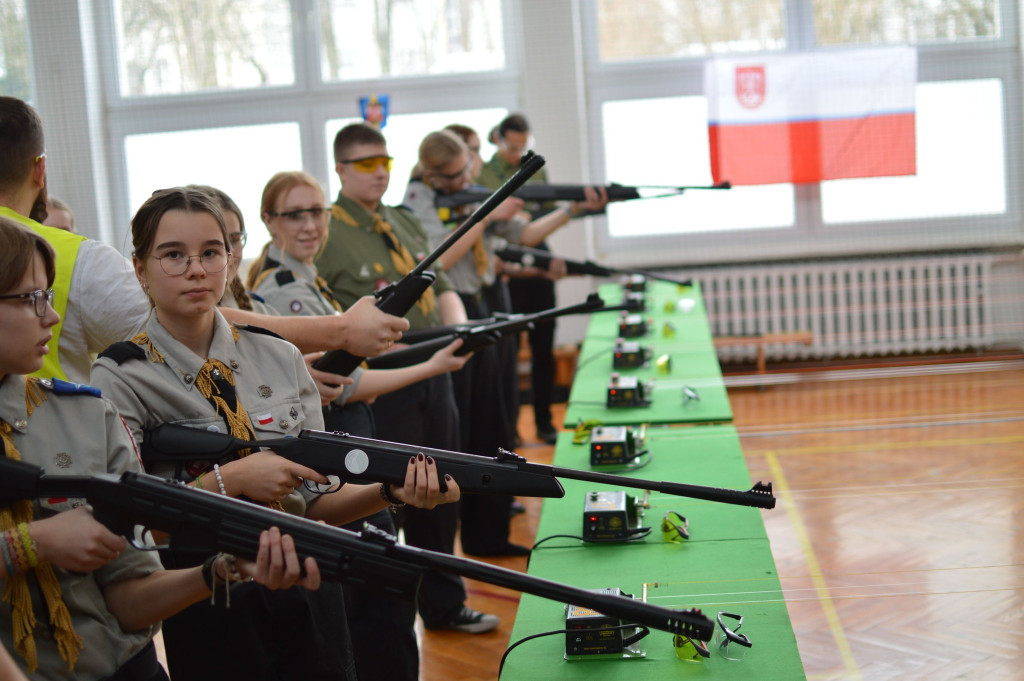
(476, 336)
(365, 460)
(398, 298)
(201, 523)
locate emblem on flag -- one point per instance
(265, 419)
(750, 86)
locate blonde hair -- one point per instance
(276, 188)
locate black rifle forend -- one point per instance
(532, 257)
(398, 298)
(202, 523)
(365, 460)
(476, 336)
(542, 192)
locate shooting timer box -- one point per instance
(626, 391)
(609, 516)
(612, 445)
(605, 640)
(632, 325)
(629, 355)
(636, 283)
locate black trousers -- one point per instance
(498, 299)
(425, 414)
(382, 627)
(534, 295)
(480, 388)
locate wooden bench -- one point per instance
(761, 340)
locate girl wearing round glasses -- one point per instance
(189, 366)
(85, 604)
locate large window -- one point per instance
(645, 81)
(228, 92)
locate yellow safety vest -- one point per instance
(65, 244)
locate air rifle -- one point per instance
(365, 460)
(475, 336)
(542, 192)
(201, 523)
(398, 297)
(533, 257)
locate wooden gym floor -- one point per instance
(899, 535)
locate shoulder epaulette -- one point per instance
(284, 277)
(404, 207)
(61, 387)
(123, 351)
(256, 296)
(258, 329)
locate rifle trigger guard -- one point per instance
(505, 455)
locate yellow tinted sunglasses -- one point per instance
(369, 164)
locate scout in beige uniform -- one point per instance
(91, 602)
(293, 210)
(190, 366)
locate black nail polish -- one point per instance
(419, 457)
(430, 461)
(412, 459)
(447, 477)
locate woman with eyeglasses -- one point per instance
(190, 367)
(79, 602)
(286, 277)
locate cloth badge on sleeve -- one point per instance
(265, 419)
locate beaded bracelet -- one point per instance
(385, 494)
(220, 480)
(28, 545)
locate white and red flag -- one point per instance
(812, 116)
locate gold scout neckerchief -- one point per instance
(16, 591)
(216, 383)
(400, 256)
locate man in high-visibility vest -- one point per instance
(97, 295)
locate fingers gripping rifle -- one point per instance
(542, 192)
(398, 298)
(477, 336)
(365, 460)
(533, 257)
(203, 523)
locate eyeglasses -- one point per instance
(732, 645)
(456, 176)
(674, 527)
(299, 216)
(369, 164)
(238, 238)
(176, 263)
(41, 298)
(689, 650)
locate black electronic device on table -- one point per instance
(632, 325)
(589, 632)
(610, 516)
(612, 446)
(630, 354)
(627, 391)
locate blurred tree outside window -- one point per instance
(381, 38)
(183, 46)
(15, 71)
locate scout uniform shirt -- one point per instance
(292, 288)
(356, 260)
(70, 430)
(152, 380)
(468, 276)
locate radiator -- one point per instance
(855, 307)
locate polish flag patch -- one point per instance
(265, 419)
